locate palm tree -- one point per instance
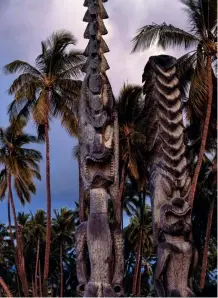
(139, 234)
(131, 137)
(5, 287)
(63, 226)
(195, 65)
(204, 216)
(37, 228)
(131, 201)
(211, 177)
(23, 165)
(48, 90)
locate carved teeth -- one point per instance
(86, 170)
(94, 159)
(112, 167)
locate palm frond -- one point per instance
(53, 51)
(40, 109)
(20, 109)
(202, 16)
(199, 87)
(164, 35)
(31, 154)
(70, 122)
(71, 86)
(133, 168)
(66, 110)
(59, 40)
(22, 191)
(24, 139)
(70, 72)
(21, 66)
(130, 103)
(185, 68)
(3, 183)
(41, 132)
(71, 63)
(24, 80)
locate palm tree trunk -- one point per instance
(12, 242)
(20, 258)
(9, 222)
(36, 269)
(205, 131)
(206, 245)
(5, 288)
(140, 263)
(33, 288)
(138, 256)
(121, 189)
(40, 280)
(48, 227)
(18, 285)
(52, 288)
(61, 270)
(139, 279)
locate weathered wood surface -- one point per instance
(99, 158)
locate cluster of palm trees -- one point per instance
(33, 245)
(48, 89)
(51, 89)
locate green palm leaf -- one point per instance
(164, 35)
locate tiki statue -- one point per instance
(169, 178)
(98, 166)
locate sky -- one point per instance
(25, 23)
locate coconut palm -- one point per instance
(5, 287)
(131, 201)
(46, 90)
(195, 65)
(22, 165)
(28, 252)
(204, 217)
(139, 234)
(63, 227)
(37, 231)
(131, 138)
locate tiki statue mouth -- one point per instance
(98, 172)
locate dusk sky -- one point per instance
(25, 23)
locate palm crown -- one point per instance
(50, 88)
(19, 162)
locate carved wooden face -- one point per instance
(99, 143)
(175, 218)
(99, 174)
(98, 161)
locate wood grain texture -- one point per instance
(169, 177)
(98, 161)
